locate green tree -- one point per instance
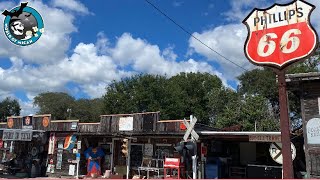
(139, 93)
(87, 110)
(9, 107)
(54, 103)
(194, 89)
(263, 82)
(176, 97)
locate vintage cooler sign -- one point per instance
(280, 35)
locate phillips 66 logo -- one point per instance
(280, 35)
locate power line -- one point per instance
(186, 31)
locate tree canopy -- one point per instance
(176, 97)
(9, 107)
(63, 106)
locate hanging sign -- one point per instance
(27, 122)
(10, 122)
(45, 121)
(280, 35)
(126, 124)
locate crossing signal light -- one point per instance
(124, 147)
(186, 148)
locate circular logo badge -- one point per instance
(23, 25)
(45, 121)
(10, 123)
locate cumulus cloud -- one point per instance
(71, 5)
(148, 58)
(92, 71)
(228, 40)
(27, 108)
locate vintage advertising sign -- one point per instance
(313, 131)
(280, 35)
(16, 135)
(264, 138)
(10, 122)
(27, 122)
(126, 124)
(52, 142)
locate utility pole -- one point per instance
(194, 158)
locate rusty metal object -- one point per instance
(284, 124)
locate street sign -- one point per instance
(190, 129)
(280, 35)
(275, 151)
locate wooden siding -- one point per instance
(63, 126)
(89, 128)
(143, 123)
(309, 91)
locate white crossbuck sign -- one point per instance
(190, 129)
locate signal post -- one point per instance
(278, 37)
(125, 150)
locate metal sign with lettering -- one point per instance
(16, 135)
(313, 131)
(281, 34)
(265, 138)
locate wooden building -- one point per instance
(307, 87)
(24, 139)
(149, 137)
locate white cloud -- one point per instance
(315, 18)
(145, 57)
(92, 71)
(240, 9)
(7, 5)
(72, 5)
(228, 40)
(27, 108)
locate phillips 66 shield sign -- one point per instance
(280, 35)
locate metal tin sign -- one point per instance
(126, 124)
(280, 35)
(313, 131)
(275, 151)
(264, 138)
(16, 135)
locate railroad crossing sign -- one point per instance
(280, 35)
(276, 152)
(190, 129)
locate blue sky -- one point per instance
(89, 43)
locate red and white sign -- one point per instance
(171, 163)
(280, 35)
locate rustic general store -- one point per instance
(57, 145)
